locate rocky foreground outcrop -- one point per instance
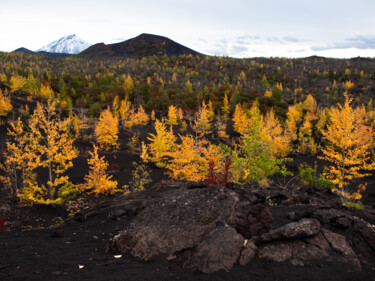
(210, 229)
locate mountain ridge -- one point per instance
(143, 45)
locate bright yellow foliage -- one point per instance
(348, 140)
(221, 129)
(5, 106)
(268, 93)
(144, 153)
(106, 130)
(306, 141)
(172, 115)
(140, 118)
(153, 115)
(323, 116)
(21, 159)
(225, 108)
(128, 85)
(347, 85)
(210, 111)
(308, 105)
(190, 159)
(202, 120)
(56, 152)
(45, 92)
(294, 116)
(97, 180)
(279, 141)
(240, 120)
(124, 111)
(161, 143)
(180, 115)
(17, 83)
(116, 107)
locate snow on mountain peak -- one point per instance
(68, 44)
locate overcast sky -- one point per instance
(238, 28)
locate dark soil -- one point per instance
(36, 247)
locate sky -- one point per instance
(235, 28)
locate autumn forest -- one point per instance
(207, 119)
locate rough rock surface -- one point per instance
(301, 229)
(219, 250)
(179, 220)
(249, 253)
(341, 245)
(210, 229)
(254, 222)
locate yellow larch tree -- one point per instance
(348, 141)
(221, 128)
(124, 110)
(294, 116)
(45, 92)
(180, 115)
(161, 143)
(97, 181)
(306, 141)
(116, 107)
(106, 130)
(128, 85)
(172, 115)
(323, 119)
(190, 159)
(153, 115)
(141, 118)
(20, 159)
(279, 141)
(202, 119)
(225, 109)
(239, 119)
(17, 83)
(210, 111)
(5, 105)
(56, 152)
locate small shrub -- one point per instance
(310, 176)
(140, 177)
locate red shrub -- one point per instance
(2, 224)
(223, 178)
(114, 167)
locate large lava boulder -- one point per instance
(210, 229)
(179, 220)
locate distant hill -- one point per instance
(143, 45)
(69, 44)
(23, 50)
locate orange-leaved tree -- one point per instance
(348, 141)
(190, 159)
(161, 143)
(97, 181)
(279, 141)
(106, 130)
(56, 151)
(240, 120)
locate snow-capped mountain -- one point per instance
(69, 44)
